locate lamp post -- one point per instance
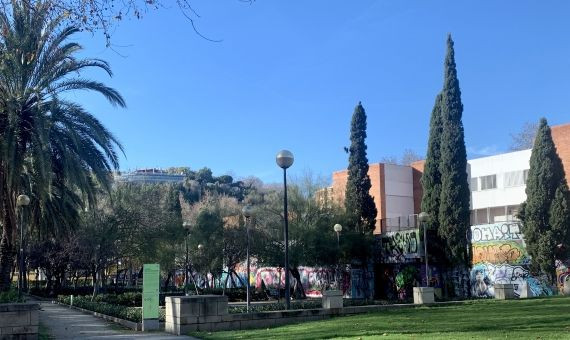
(248, 214)
(338, 228)
(186, 226)
(200, 250)
(423, 217)
(284, 160)
(21, 201)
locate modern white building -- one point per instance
(498, 186)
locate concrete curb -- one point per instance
(136, 326)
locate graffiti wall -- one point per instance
(562, 274)
(399, 246)
(500, 256)
(314, 280)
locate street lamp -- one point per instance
(423, 217)
(248, 213)
(285, 159)
(186, 226)
(200, 250)
(338, 228)
(21, 201)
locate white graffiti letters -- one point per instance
(496, 232)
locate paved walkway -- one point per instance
(66, 323)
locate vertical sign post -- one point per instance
(151, 281)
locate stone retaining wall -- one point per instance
(187, 314)
(19, 320)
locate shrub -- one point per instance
(302, 304)
(10, 296)
(127, 313)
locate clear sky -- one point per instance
(289, 73)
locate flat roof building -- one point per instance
(150, 175)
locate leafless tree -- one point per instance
(408, 157)
(524, 139)
(105, 15)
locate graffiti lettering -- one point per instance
(505, 252)
(397, 247)
(496, 232)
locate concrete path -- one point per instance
(66, 323)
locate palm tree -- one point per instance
(50, 147)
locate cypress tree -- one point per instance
(431, 183)
(544, 213)
(559, 220)
(431, 177)
(359, 204)
(455, 195)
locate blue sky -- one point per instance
(289, 73)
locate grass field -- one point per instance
(540, 318)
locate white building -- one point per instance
(498, 186)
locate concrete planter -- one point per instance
(19, 320)
(423, 295)
(186, 313)
(332, 299)
(525, 291)
(504, 291)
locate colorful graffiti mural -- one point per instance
(562, 274)
(400, 246)
(500, 252)
(485, 275)
(314, 280)
(500, 256)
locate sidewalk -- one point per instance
(66, 323)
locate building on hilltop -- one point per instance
(149, 175)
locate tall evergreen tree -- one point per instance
(359, 204)
(431, 177)
(455, 195)
(559, 220)
(431, 184)
(545, 212)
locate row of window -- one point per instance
(510, 179)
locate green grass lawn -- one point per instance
(541, 318)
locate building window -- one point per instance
(474, 184)
(525, 175)
(488, 182)
(514, 179)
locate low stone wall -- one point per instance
(184, 315)
(19, 320)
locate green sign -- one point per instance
(151, 281)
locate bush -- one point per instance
(132, 299)
(10, 296)
(127, 313)
(235, 294)
(87, 290)
(301, 304)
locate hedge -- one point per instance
(127, 313)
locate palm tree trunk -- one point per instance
(8, 219)
(6, 262)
